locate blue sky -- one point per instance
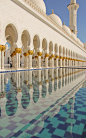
(60, 8)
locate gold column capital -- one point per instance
(52, 56)
(57, 56)
(36, 57)
(2, 48)
(61, 57)
(30, 52)
(25, 54)
(39, 53)
(46, 55)
(18, 50)
(46, 81)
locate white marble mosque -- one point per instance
(38, 40)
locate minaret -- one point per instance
(73, 7)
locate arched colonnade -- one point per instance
(37, 53)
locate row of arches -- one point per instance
(33, 52)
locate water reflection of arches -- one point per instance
(8, 86)
(11, 104)
(59, 83)
(25, 100)
(50, 88)
(55, 85)
(35, 94)
(44, 90)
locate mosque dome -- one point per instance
(73, 35)
(56, 19)
(82, 44)
(66, 29)
(78, 40)
(40, 4)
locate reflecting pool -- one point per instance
(47, 103)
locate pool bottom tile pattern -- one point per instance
(61, 115)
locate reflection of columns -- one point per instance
(52, 73)
(0, 82)
(3, 82)
(56, 73)
(30, 53)
(30, 77)
(39, 59)
(46, 74)
(46, 60)
(60, 72)
(19, 79)
(19, 96)
(39, 75)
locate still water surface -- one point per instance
(43, 104)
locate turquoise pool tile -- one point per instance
(44, 131)
(61, 133)
(56, 132)
(80, 131)
(4, 132)
(69, 129)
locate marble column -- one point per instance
(0, 82)
(0, 59)
(2, 54)
(18, 51)
(39, 59)
(30, 53)
(26, 60)
(60, 62)
(19, 60)
(56, 62)
(52, 61)
(46, 60)
(16, 60)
